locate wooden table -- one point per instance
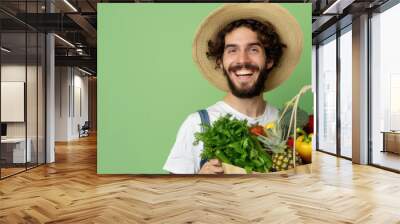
(391, 141)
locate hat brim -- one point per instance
(285, 25)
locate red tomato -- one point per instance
(309, 127)
(290, 142)
(257, 130)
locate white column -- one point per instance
(50, 92)
(360, 90)
(50, 100)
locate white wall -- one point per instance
(71, 94)
(12, 73)
(80, 110)
(62, 81)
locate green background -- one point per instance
(148, 83)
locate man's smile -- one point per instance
(243, 75)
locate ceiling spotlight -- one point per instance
(5, 50)
(64, 40)
(70, 5)
(79, 51)
(337, 7)
(84, 71)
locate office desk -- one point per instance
(15, 148)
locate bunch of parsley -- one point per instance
(229, 140)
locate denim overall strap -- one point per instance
(205, 120)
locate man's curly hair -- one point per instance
(266, 35)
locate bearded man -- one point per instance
(244, 50)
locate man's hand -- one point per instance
(212, 167)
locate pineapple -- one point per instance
(284, 160)
(274, 143)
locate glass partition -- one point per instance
(31, 100)
(22, 88)
(41, 87)
(13, 108)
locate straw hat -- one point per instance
(284, 23)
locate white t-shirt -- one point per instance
(184, 157)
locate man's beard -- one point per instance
(251, 92)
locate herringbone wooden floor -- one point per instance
(70, 191)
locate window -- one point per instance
(346, 92)
(385, 88)
(327, 95)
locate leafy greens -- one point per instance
(229, 140)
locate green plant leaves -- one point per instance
(229, 140)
